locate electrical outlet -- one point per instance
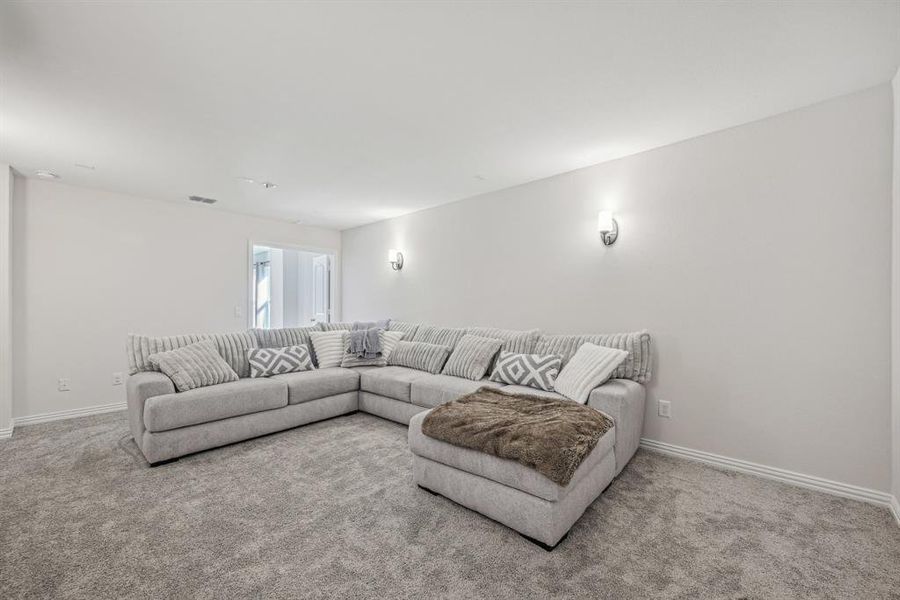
(118, 378)
(63, 384)
(665, 408)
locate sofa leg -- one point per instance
(163, 462)
(542, 545)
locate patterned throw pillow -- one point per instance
(329, 347)
(472, 357)
(193, 366)
(591, 366)
(265, 362)
(534, 370)
(419, 355)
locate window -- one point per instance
(290, 288)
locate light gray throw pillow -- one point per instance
(472, 357)
(329, 347)
(265, 362)
(388, 339)
(440, 336)
(193, 366)
(534, 370)
(231, 346)
(591, 366)
(419, 355)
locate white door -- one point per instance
(322, 288)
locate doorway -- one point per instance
(290, 287)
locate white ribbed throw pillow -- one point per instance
(591, 366)
(329, 347)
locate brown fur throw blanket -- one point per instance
(548, 435)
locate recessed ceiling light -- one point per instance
(46, 174)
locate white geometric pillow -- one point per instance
(534, 370)
(265, 362)
(329, 347)
(591, 366)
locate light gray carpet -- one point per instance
(330, 510)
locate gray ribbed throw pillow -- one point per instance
(193, 366)
(440, 336)
(591, 366)
(419, 355)
(472, 357)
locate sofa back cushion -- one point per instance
(419, 355)
(472, 357)
(520, 342)
(231, 346)
(283, 337)
(636, 365)
(194, 366)
(440, 336)
(342, 326)
(265, 362)
(408, 329)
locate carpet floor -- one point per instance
(330, 511)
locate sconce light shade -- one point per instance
(608, 227)
(395, 257)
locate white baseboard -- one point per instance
(895, 508)
(66, 414)
(6, 433)
(828, 486)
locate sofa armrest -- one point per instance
(623, 400)
(138, 389)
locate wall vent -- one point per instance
(202, 199)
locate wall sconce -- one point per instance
(608, 227)
(395, 257)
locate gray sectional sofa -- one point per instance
(167, 424)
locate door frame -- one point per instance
(334, 291)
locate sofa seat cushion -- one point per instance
(213, 403)
(501, 470)
(433, 390)
(524, 389)
(392, 382)
(319, 383)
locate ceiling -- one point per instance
(361, 111)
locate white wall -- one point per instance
(91, 266)
(6, 356)
(758, 257)
(895, 293)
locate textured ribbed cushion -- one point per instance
(591, 366)
(389, 341)
(419, 355)
(521, 342)
(472, 357)
(534, 370)
(282, 338)
(231, 346)
(329, 347)
(193, 366)
(439, 336)
(636, 366)
(344, 326)
(265, 362)
(408, 329)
